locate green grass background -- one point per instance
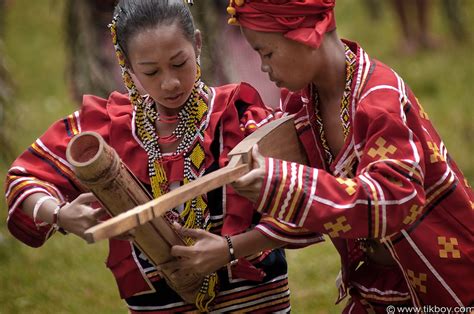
(68, 276)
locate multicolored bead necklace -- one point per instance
(344, 112)
(192, 122)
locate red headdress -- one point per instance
(305, 21)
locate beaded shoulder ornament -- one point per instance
(192, 122)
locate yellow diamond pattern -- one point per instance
(197, 156)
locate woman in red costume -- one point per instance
(182, 129)
(380, 182)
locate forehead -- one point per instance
(158, 42)
(263, 40)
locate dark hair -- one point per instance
(134, 16)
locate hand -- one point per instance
(78, 216)
(250, 184)
(208, 254)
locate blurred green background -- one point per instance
(69, 276)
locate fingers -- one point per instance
(182, 251)
(189, 232)
(193, 233)
(86, 198)
(257, 158)
(244, 181)
(98, 212)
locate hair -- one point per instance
(135, 16)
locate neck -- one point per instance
(165, 111)
(330, 82)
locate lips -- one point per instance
(174, 97)
(277, 82)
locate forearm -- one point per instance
(44, 209)
(252, 242)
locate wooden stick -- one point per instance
(276, 139)
(157, 207)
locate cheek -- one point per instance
(188, 75)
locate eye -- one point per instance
(180, 64)
(268, 55)
(151, 73)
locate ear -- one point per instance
(198, 42)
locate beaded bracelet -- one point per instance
(36, 208)
(56, 218)
(233, 260)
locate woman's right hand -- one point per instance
(78, 216)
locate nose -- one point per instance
(265, 68)
(170, 83)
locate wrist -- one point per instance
(56, 217)
(232, 259)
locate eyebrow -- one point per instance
(153, 62)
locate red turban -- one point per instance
(305, 21)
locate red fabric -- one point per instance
(38, 170)
(392, 180)
(305, 21)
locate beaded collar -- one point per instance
(344, 112)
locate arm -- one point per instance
(210, 252)
(42, 170)
(385, 196)
(74, 217)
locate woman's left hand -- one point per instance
(250, 184)
(208, 254)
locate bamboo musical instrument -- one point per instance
(276, 139)
(100, 169)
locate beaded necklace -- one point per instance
(193, 120)
(344, 112)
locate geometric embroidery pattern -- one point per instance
(423, 113)
(448, 248)
(417, 281)
(350, 185)
(197, 156)
(381, 150)
(436, 156)
(350, 68)
(337, 227)
(415, 211)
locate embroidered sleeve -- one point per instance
(295, 237)
(43, 168)
(385, 195)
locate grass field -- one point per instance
(69, 276)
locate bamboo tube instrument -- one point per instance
(276, 139)
(100, 169)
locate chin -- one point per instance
(294, 88)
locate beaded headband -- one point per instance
(135, 97)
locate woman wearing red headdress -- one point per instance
(379, 183)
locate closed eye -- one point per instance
(151, 73)
(180, 64)
(268, 55)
